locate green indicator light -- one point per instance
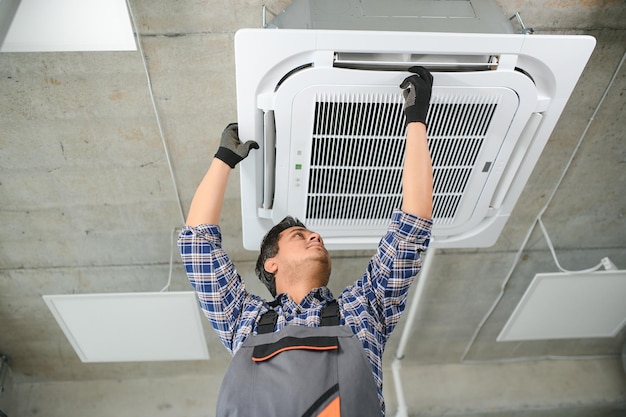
(298, 166)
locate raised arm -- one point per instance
(417, 175)
(207, 202)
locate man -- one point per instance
(307, 353)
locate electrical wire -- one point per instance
(156, 112)
(174, 233)
(538, 220)
(553, 252)
(163, 142)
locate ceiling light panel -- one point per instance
(128, 327)
(70, 25)
(568, 306)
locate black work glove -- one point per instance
(231, 150)
(417, 89)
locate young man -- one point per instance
(305, 352)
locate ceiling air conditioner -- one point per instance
(325, 106)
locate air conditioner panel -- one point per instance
(340, 147)
(267, 83)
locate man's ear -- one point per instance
(270, 265)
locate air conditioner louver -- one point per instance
(357, 154)
(332, 136)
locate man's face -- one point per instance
(298, 246)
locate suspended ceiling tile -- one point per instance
(70, 25)
(566, 306)
(128, 327)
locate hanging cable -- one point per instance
(538, 219)
(556, 261)
(163, 141)
(169, 278)
(582, 136)
(156, 112)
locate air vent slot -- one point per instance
(401, 62)
(358, 151)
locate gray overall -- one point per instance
(300, 371)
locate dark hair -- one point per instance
(269, 249)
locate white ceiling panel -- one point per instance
(563, 306)
(127, 327)
(70, 25)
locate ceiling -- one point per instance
(88, 203)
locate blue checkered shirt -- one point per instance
(371, 306)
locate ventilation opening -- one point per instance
(358, 152)
(401, 62)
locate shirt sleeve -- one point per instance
(221, 291)
(385, 284)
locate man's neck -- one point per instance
(298, 294)
(297, 290)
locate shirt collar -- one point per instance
(314, 297)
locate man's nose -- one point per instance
(315, 237)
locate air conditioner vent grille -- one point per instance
(358, 115)
(358, 151)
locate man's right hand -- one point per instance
(231, 150)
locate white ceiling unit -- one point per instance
(324, 104)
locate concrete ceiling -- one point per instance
(87, 205)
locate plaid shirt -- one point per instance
(371, 306)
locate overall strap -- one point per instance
(330, 314)
(267, 322)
